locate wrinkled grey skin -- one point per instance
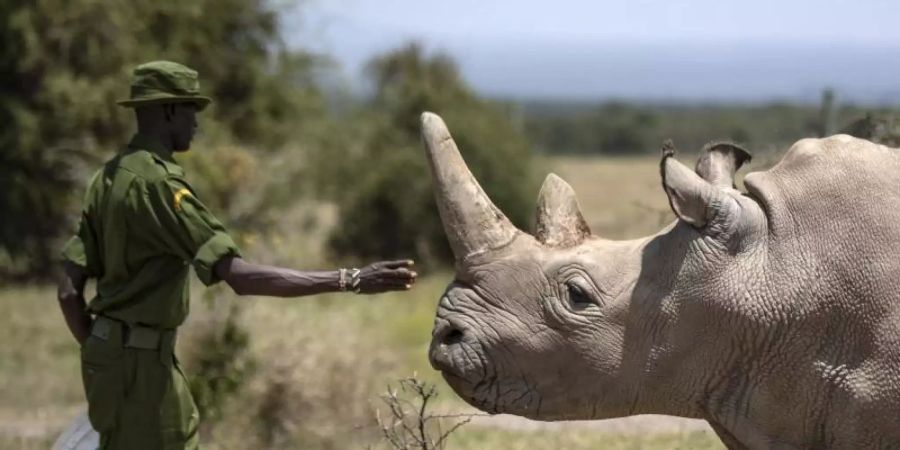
(774, 315)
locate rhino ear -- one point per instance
(690, 196)
(719, 161)
(558, 219)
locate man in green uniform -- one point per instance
(141, 229)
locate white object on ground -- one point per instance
(79, 435)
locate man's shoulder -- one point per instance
(149, 167)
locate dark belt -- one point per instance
(133, 336)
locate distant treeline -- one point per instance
(617, 128)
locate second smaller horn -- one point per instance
(558, 218)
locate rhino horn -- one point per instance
(719, 161)
(558, 219)
(472, 223)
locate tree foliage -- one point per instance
(384, 191)
(64, 63)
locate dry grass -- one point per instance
(621, 198)
(40, 381)
(321, 365)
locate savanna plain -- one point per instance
(312, 372)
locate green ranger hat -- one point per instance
(159, 82)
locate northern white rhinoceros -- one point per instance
(772, 314)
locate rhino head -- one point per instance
(563, 325)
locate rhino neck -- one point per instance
(656, 345)
(749, 344)
(683, 324)
(641, 276)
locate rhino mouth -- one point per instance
(474, 393)
(463, 370)
(496, 396)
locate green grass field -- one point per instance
(322, 363)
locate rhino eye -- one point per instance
(578, 298)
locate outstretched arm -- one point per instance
(247, 278)
(70, 293)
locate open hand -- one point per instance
(386, 276)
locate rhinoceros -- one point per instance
(773, 314)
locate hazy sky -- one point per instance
(700, 49)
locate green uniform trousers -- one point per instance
(137, 398)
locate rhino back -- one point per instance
(833, 205)
(832, 267)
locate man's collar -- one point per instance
(151, 144)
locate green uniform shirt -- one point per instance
(141, 227)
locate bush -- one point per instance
(409, 422)
(220, 362)
(881, 128)
(317, 367)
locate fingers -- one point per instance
(401, 274)
(400, 263)
(388, 284)
(389, 276)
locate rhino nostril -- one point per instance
(447, 333)
(455, 336)
(444, 345)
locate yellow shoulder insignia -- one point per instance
(180, 195)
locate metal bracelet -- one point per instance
(342, 279)
(354, 283)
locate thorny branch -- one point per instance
(410, 425)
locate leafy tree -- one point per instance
(883, 128)
(63, 65)
(384, 190)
